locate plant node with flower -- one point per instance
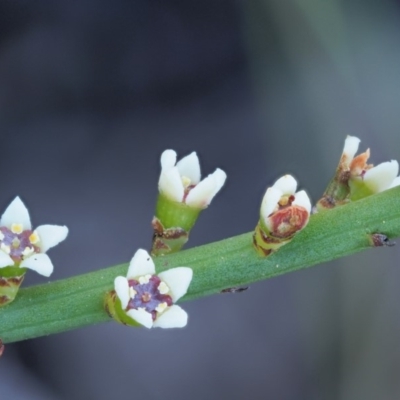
(355, 179)
(182, 196)
(143, 298)
(283, 213)
(22, 248)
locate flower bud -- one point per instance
(283, 213)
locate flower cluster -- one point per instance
(148, 299)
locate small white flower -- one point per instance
(180, 181)
(283, 210)
(24, 247)
(148, 298)
(376, 179)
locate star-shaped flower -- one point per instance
(148, 298)
(181, 181)
(23, 247)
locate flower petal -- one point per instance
(168, 159)
(121, 286)
(178, 280)
(350, 147)
(141, 316)
(174, 317)
(141, 264)
(5, 260)
(189, 166)
(170, 184)
(270, 201)
(396, 182)
(40, 263)
(51, 235)
(16, 213)
(302, 199)
(201, 195)
(380, 178)
(287, 184)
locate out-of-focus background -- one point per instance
(92, 92)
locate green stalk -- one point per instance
(78, 301)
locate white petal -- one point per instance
(40, 263)
(168, 159)
(121, 286)
(170, 184)
(302, 199)
(220, 178)
(51, 235)
(287, 184)
(16, 213)
(189, 166)
(141, 264)
(270, 201)
(5, 260)
(178, 280)
(350, 147)
(141, 316)
(382, 176)
(174, 317)
(396, 182)
(201, 195)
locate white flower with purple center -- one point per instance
(23, 247)
(181, 181)
(148, 298)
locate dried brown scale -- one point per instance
(16, 280)
(379, 240)
(288, 221)
(4, 282)
(4, 299)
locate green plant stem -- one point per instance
(78, 301)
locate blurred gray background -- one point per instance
(91, 93)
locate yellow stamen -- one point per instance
(163, 288)
(34, 237)
(5, 248)
(144, 279)
(17, 228)
(27, 251)
(132, 292)
(186, 181)
(161, 307)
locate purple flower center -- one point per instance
(148, 295)
(19, 244)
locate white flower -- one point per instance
(180, 181)
(148, 298)
(23, 247)
(376, 179)
(283, 210)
